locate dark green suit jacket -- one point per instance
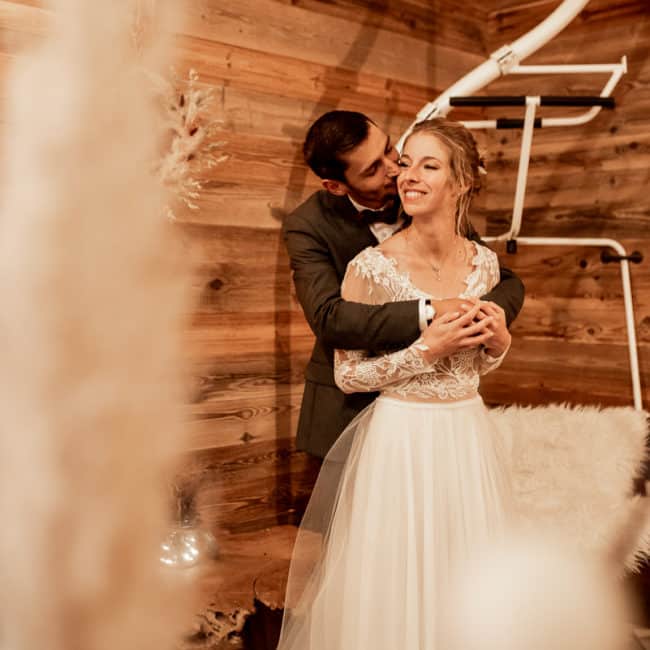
(322, 235)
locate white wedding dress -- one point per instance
(412, 487)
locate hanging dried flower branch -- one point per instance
(191, 148)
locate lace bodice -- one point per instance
(372, 277)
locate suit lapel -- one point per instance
(345, 219)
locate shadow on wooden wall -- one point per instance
(296, 471)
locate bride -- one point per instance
(417, 482)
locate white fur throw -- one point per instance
(572, 470)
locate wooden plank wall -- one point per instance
(274, 66)
(570, 341)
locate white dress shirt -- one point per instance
(382, 231)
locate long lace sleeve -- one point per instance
(487, 363)
(355, 371)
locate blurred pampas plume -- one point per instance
(537, 593)
(91, 382)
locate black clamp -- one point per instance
(635, 257)
(511, 246)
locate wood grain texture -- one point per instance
(569, 341)
(589, 181)
(509, 19)
(288, 30)
(252, 485)
(274, 66)
(285, 76)
(553, 370)
(427, 20)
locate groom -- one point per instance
(357, 208)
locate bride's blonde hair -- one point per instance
(464, 161)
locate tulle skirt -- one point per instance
(405, 496)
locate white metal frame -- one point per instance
(502, 61)
(616, 70)
(506, 60)
(627, 294)
(517, 215)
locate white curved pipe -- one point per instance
(501, 60)
(524, 160)
(627, 293)
(547, 29)
(618, 71)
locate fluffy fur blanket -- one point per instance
(573, 469)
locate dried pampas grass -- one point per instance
(91, 380)
(536, 593)
(191, 148)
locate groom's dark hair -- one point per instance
(331, 135)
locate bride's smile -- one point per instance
(425, 182)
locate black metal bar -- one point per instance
(492, 100)
(508, 123)
(578, 100)
(635, 257)
(545, 100)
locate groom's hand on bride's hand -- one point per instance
(454, 331)
(500, 341)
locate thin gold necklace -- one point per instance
(437, 269)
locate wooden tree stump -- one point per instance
(251, 569)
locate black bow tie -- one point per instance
(385, 215)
